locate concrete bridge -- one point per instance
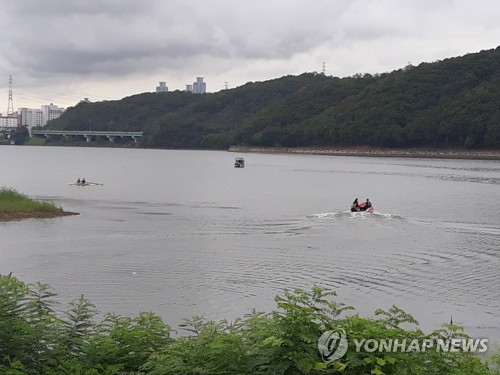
(88, 135)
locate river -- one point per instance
(183, 233)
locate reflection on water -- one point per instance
(183, 233)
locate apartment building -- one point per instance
(38, 117)
(8, 121)
(51, 112)
(30, 117)
(198, 87)
(162, 87)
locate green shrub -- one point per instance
(35, 338)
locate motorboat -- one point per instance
(362, 207)
(239, 162)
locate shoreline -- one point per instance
(13, 216)
(375, 152)
(363, 151)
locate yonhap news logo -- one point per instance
(332, 345)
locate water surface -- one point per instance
(183, 233)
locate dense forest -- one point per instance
(449, 103)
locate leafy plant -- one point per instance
(36, 338)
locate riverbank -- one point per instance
(11, 216)
(376, 152)
(17, 206)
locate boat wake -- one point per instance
(353, 215)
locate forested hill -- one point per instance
(449, 103)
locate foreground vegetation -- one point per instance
(445, 104)
(38, 338)
(14, 205)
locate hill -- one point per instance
(449, 103)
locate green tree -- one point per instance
(20, 135)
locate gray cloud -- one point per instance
(114, 48)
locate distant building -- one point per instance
(30, 117)
(38, 117)
(9, 121)
(51, 112)
(198, 87)
(162, 87)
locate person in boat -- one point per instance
(368, 204)
(355, 206)
(83, 181)
(78, 181)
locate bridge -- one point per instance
(88, 135)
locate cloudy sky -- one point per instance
(61, 51)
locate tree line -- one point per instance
(448, 103)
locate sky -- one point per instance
(62, 51)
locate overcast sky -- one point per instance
(61, 51)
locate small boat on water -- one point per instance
(362, 207)
(84, 184)
(239, 162)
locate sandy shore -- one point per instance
(376, 152)
(9, 216)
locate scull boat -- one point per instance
(84, 184)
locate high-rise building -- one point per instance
(162, 87)
(30, 117)
(51, 112)
(38, 117)
(198, 87)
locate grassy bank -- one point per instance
(14, 205)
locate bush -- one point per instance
(37, 339)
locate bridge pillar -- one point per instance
(112, 138)
(136, 139)
(88, 138)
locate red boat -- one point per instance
(362, 207)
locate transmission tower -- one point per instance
(10, 105)
(323, 68)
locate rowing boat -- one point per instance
(84, 184)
